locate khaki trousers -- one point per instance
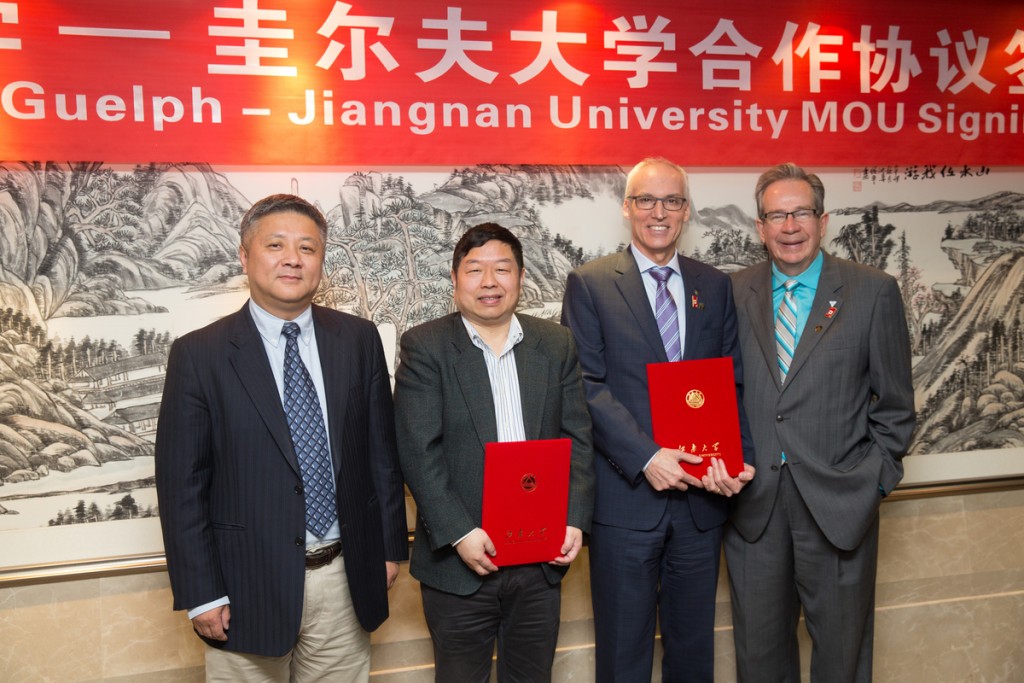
(332, 646)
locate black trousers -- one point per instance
(515, 606)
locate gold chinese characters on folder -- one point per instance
(526, 499)
(694, 409)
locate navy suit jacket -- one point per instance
(230, 491)
(607, 308)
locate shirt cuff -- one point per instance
(648, 463)
(196, 611)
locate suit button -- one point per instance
(298, 490)
(775, 468)
(778, 418)
(299, 541)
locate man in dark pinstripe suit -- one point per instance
(276, 595)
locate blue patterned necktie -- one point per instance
(309, 436)
(666, 313)
(785, 329)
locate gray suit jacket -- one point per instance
(445, 416)
(844, 416)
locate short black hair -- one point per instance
(480, 235)
(280, 203)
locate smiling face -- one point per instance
(793, 245)
(487, 284)
(283, 257)
(656, 231)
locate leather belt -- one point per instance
(321, 557)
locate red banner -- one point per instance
(387, 82)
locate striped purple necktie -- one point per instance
(666, 313)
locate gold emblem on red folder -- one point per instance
(528, 482)
(693, 406)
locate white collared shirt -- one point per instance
(504, 379)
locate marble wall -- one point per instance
(950, 608)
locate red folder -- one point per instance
(526, 499)
(693, 408)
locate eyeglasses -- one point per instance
(802, 216)
(646, 202)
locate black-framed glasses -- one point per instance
(802, 216)
(647, 202)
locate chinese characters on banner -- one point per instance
(389, 82)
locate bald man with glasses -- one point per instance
(655, 540)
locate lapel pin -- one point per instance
(694, 301)
(817, 328)
(831, 309)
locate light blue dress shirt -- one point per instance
(804, 296)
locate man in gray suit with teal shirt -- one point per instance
(829, 398)
(481, 375)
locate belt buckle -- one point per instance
(323, 556)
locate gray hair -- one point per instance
(789, 171)
(651, 161)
